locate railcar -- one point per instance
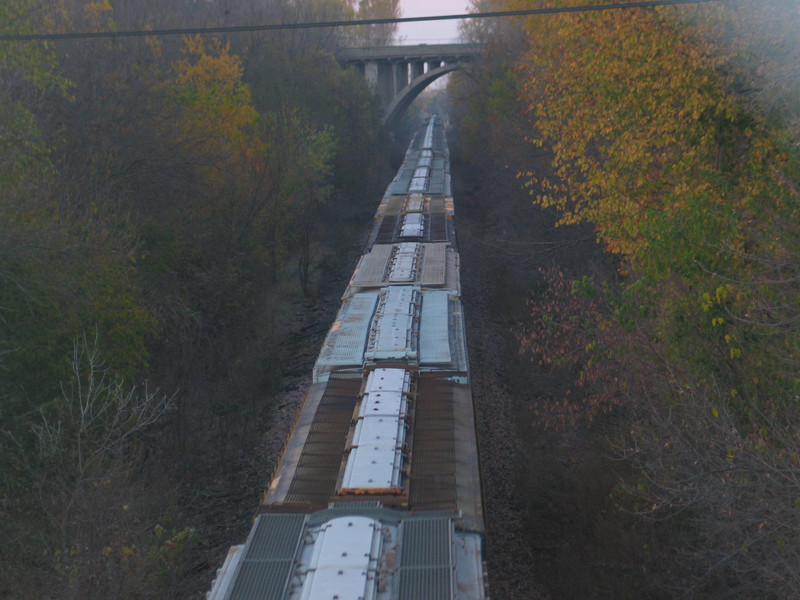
(418, 203)
(377, 494)
(430, 266)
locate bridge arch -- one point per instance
(400, 73)
(408, 94)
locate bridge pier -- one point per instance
(386, 81)
(400, 73)
(400, 77)
(370, 71)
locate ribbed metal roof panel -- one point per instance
(426, 560)
(392, 205)
(428, 140)
(397, 188)
(436, 205)
(414, 203)
(449, 205)
(434, 331)
(427, 543)
(274, 537)
(434, 264)
(453, 272)
(433, 461)
(267, 560)
(426, 264)
(317, 471)
(438, 230)
(436, 181)
(458, 340)
(427, 583)
(260, 580)
(346, 340)
(386, 229)
(372, 267)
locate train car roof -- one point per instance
(440, 462)
(401, 324)
(355, 553)
(426, 265)
(435, 227)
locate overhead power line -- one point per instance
(321, 24)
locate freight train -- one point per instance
(377, 494)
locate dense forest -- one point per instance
(171, 209)
(168, 205)
(671, 135)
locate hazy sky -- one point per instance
(430, 32)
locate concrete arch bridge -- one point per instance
(400, 73)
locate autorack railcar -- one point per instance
(377, 493)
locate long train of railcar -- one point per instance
(377, 494)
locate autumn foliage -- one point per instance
(168, 205)
(672, 131)
(566, 335)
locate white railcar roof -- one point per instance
(392, 332)
(372, 468)
(344, 560)
(413, 225)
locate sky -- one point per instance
(430, 32)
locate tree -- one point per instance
(663, 139)
(379, 34)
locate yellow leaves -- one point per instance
(211, 81)
(219, 117)
(93, 9)
(155, 45)
(624, 99)
(99, 14)
(720, 297)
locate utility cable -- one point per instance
(321, 24)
